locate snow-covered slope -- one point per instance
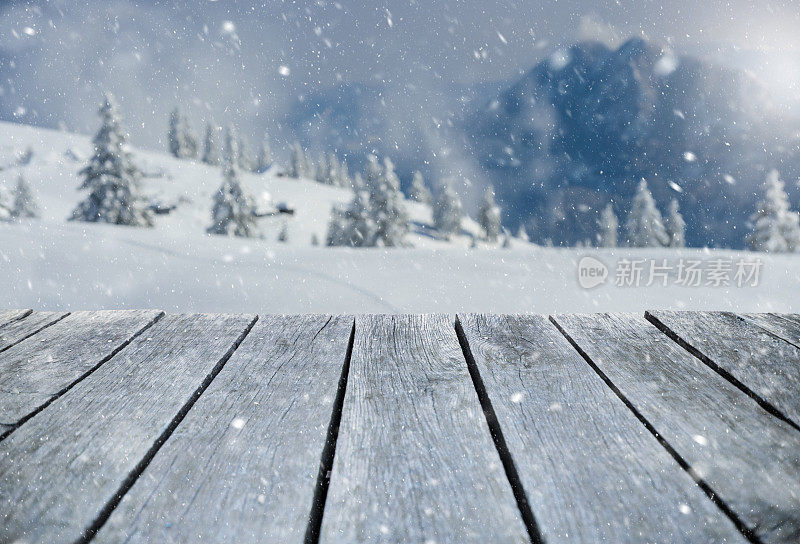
(53, 264)
(57, 157)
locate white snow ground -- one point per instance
(54, 264)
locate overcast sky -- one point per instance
(245, 61)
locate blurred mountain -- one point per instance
(578, 130)
(584, 126)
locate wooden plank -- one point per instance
(7, 316)
(32, 373)
(415, 460)
(590, 470)
(243, 465)
(746, 457)
(785, 326)
(67, 466)
(763, 366)
(16, 331)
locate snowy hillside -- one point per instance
(53, 264)
(52, 172)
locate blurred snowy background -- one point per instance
(532, 125)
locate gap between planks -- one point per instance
(22, 320)
(329, 451)
(764, 403)
(140, 467)
(738, 523)
(7, 429)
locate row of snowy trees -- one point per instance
(775, 227)
(645, 226)
(327, 168)
(183, 144)
(19, 204)
(376, 216)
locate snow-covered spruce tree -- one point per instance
(489, 216)
(522, 234)
(283, 235)
(418, 192)
(387, 207)
(111, 177)
(5, 204)
(181, 141)
(24, 205)
(233, 209)
(297, 161)
(506, 239)
(644, 226)
(245, 159)
(447, 211)
(264, 155)
(775, 227)
(675, 226)
(608, 227)
(353, 226)
(211, 146)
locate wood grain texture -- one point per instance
(242, 466)
(750, 459)
(16, 331)
(764, 366)
(591, 471)
(415, 461)
(786, 326)
(6, 316)
(33, 372)
(61, 469)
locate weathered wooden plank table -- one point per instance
(137, 426)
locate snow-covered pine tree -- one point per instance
(489, 216)
(232, 211)
(447, 211)
(522, 234)
(608, 226)
(190, 138)
(387, 207)
(246, 160)
(506, 239)
(418, 192)
(675, 226)
(210, 146)
(354, 226)
(775, 227)
(24, 205)
(342, 175)
(5, 204)
(373, 172)
(264, 155)
(297, 161)
(645, 226)
(111, 177)
(181, 141)
(322, 171)
(283, 235)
